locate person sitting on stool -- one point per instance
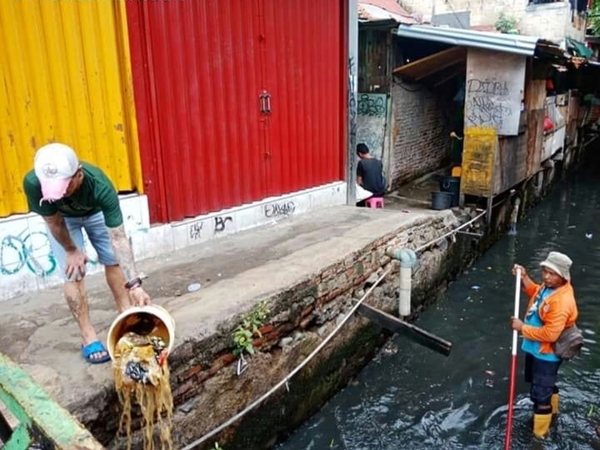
(369, 173)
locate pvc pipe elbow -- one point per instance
(407, 258)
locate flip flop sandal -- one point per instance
(93, 348)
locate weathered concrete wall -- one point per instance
(551, 20)
(420, 131)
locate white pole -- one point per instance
(516, 312)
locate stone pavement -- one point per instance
(37, 331)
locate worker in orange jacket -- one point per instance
(551, 309)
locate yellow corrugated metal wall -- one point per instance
(65, 76)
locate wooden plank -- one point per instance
(422, 68)
(535, 103)
(479, 156)
(406, 329)
(38, 414)
(495, 86)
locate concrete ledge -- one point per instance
(236, 273)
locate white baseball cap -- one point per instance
(55, 164)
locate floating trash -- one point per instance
(475, 288)
(589, 235)
(194, 287)
(489, 378)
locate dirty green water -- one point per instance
(411, 398)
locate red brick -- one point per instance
(190, 372)
(202, 377)
(216, 366)
(306, 311)
(266, 329)
(182, 389)
(227, 359)
(306, 322)
(272, 336)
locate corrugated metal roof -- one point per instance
(509, 43)
(438, 62)
(383, 10)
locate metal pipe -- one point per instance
(408, 330)
(407, 259)
(514, 217)
(352, 101)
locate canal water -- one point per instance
(411, 398)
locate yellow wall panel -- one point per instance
(65, 77)
(478, 160)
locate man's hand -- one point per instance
(516, 324)
(139, 297)
(76, 261)
(523, 271)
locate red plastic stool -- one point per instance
(375, 202)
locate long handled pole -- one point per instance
(513, 367)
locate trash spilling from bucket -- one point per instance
(139, 342)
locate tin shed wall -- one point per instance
(200, 71)
(65, 77)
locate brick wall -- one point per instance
(421, 129)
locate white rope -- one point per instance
(285, 381)
(450, 233)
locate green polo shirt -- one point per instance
(95, 194)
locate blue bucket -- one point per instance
(451, 185)
(441, 200)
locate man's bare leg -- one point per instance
(76, 297)
(116, 281)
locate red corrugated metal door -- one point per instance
(196, 72)
(237, 100)
(304, 57)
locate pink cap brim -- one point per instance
(54, 189)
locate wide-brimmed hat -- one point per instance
(559, 263)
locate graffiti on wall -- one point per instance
(218, 224)
(30, 251)
(372, 119)
(494, 90)
(284, 209)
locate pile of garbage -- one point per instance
(141, 375)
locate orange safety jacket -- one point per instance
(558, 311)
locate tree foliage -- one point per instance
(594, 18)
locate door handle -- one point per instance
(263, 102)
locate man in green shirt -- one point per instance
(72, 196)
